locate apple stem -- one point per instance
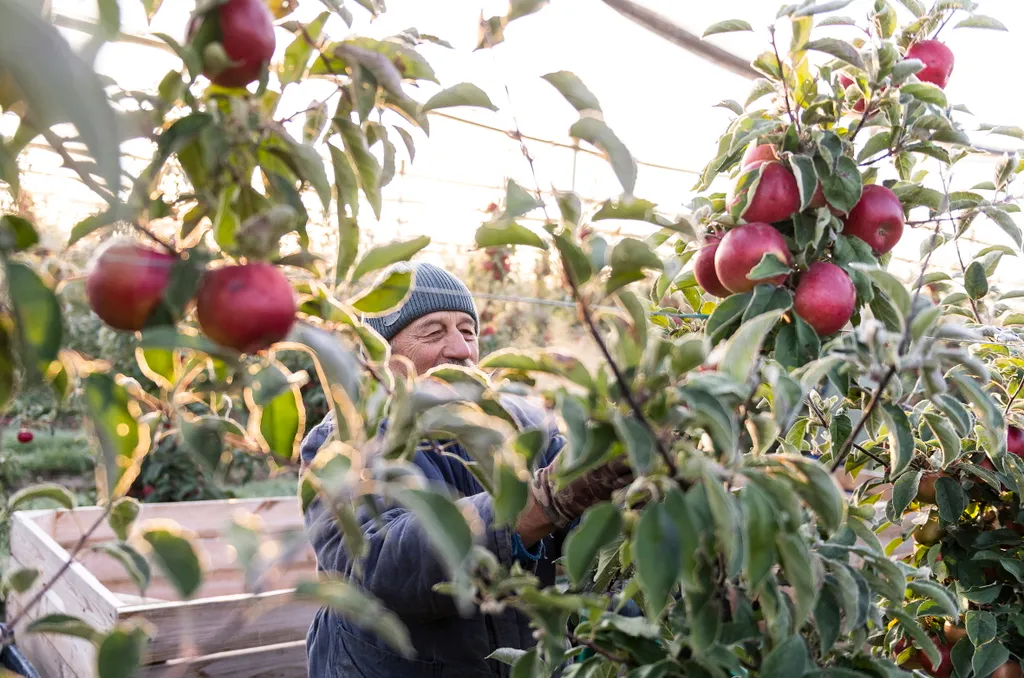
(785, 87)
(939, 29)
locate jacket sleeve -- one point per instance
(400, 567)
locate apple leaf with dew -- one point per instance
(740, 550)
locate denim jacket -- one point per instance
(401, 569)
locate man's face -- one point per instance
(444, 337)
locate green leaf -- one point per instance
(65, 625)
(657, 554)
(980, 21)
(818, 8)
(743, 349)
(895, 290)
(599, 527)
(58, 85)
(728, 26)
(51, 491)
(1005, 222)
(311, 165)
(120, 653)
(640, 446)
(367, 167)
(837, 48)
(518, 201)
(597, 133)
(226, 222)
(904, 490)
(726, 316)
(574, 91)
(151, 7)
(510, 495)
(768, 298)
(281, 423)
(443, 523)
(355, 605)
(799, 567)
(950, 498)
(17, 233)
(806, 178)
(122, 440)
(760, 528)
(981, 626)
(917, 9)
(975, 280)
(19, 580)
(176, 557)
(38, 318)
(386, 294)
(842, 188)
(920, 638)
(463, 94)
(988, 658)
(572, 257)
(382, 256)
(123, 513)
(901, 439)
(948, 439)
(132, 562)
(787, 659)
(797, 344)
(507, 655)
(503, 233)
(347, 187)
(943, 597)
(296, 55)
(926, 92)
(993, 436)
(769, 266)
(629, 258)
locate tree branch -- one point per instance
(8, 637)
(785, 87)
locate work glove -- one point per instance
(566, 504)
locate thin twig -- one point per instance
(1013, 397)
(8, 637)
(860, 448)
(601, 651)
(869, 106)
(939, 29)
(785, 87)
(588, 319)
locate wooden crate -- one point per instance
(97, 589)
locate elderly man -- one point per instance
(438, 325)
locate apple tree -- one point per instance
(738, 547)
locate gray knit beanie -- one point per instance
(433, 289)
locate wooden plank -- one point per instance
(79, 591)
(215, 584)
(270, 618)
(218, 556)
(205, 518)
(283, 660)
(52, 654)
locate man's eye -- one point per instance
(469, 334)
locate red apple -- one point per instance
(25, 436)
(756, 154)
(704, 269)
(846, 81)
(945, 667)
(775, 198)
(246, 32)
(1008, 670)
(937, 59)
(877, 218)
(247, 308)
(825, 297)
(1015, 440)
(741, 250)
(126, 283)
(487, 331)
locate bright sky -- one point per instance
(657, 97)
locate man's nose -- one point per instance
(456, 347)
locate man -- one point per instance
(438, 325)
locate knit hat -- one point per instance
(433, 289)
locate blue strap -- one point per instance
(519, 550)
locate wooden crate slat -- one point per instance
(215, 584)
(82, 593)
(205, 518)
(283, 660)
(275, 619)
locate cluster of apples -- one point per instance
(246, 307)
(235, 41)
(824, 296)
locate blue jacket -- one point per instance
(400, 569)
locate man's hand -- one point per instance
(550, 508)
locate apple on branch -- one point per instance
(766, 191)
(704, 269)
(825, 297)
(877, 218)
(937, 59)
(126, 283)
(742, 248)
(246, 307)
(236, 40)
